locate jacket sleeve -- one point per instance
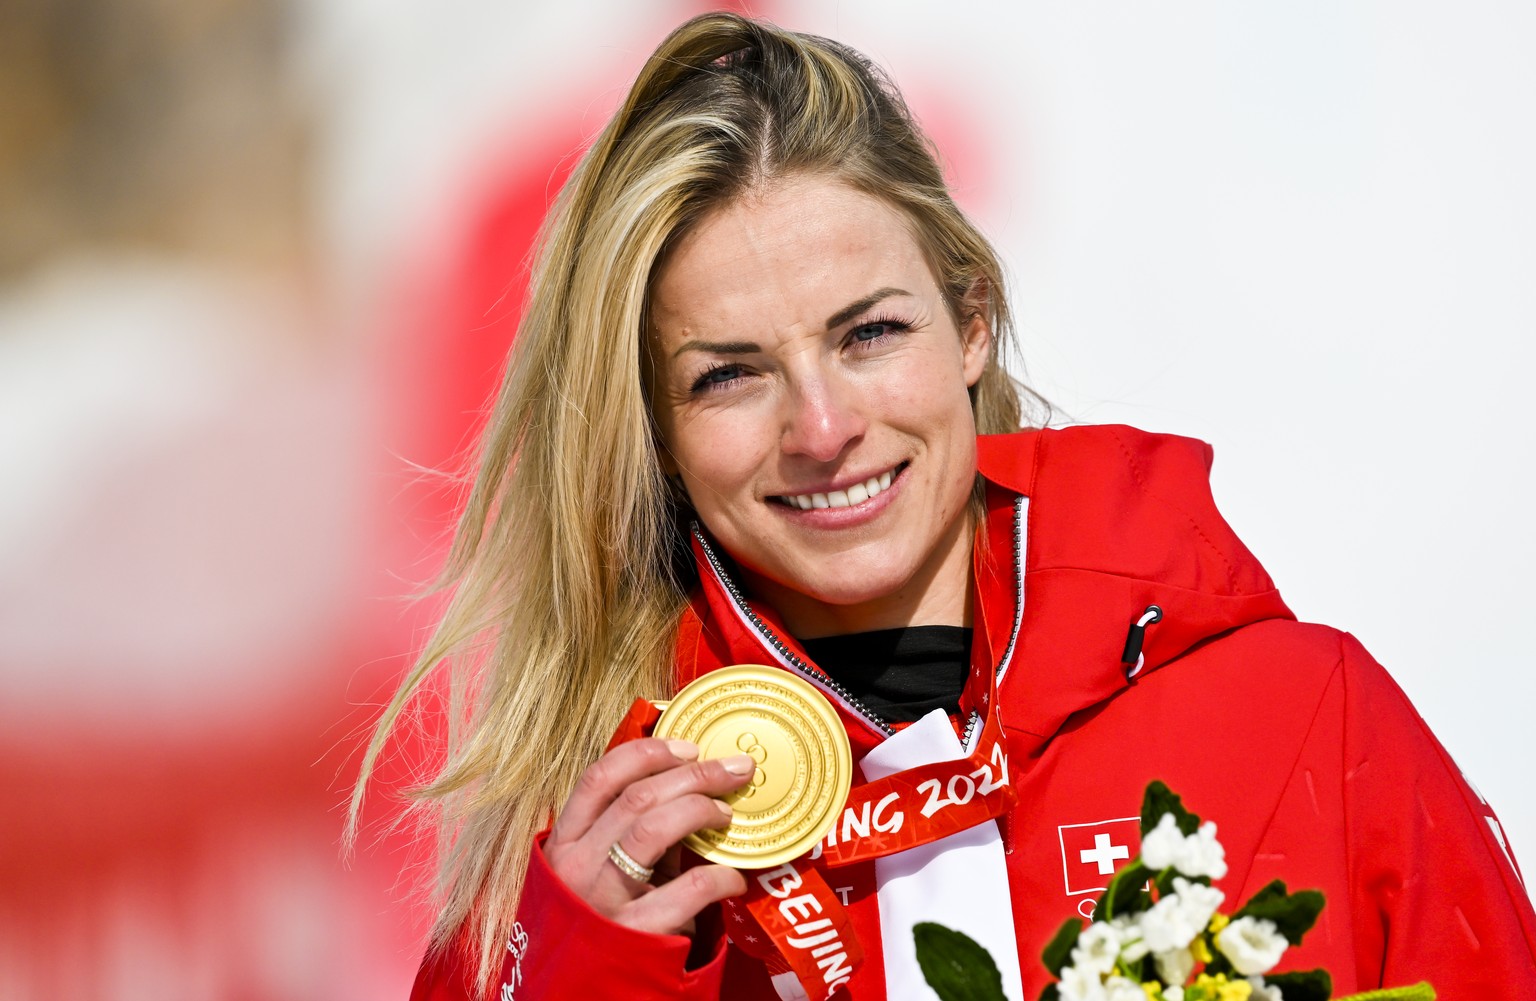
(561, 948)
(1434, 891)
(446, 974)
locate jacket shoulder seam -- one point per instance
(1334, 676)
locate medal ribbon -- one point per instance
(791, 920)
(789, 917)
(923, 804)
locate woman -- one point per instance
(740, 425)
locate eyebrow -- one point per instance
(837, 319)
(853, 309)
(719, 347)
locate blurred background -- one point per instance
(259, 262)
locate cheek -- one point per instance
(930, 388)
(718, 456)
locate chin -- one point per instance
(845, 585)
(849, 597)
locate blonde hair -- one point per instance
(566, 587)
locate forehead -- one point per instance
(787, 254)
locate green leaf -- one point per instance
(1308, 985)
(1060, 948)
(1158, 800)
(1420, 991)
(1164, 880)
(1219, 962)
(1294, 914)
(1125, 894)
(955, 965)
(1051, 993)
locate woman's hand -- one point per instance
(645, 796)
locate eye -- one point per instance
(876, 330)
(717, 377)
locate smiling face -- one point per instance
(810, 386)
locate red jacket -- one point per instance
(1313, 764)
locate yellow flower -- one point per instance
(1219, 988)
(1218, 922)
(1153, 990)
(1200, 950)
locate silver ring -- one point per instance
(627, 864)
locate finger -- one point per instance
(607, 777)
(669, 865)
(668, 909)
(652, 833)
(711, 778)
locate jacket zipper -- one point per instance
(778, 645)
(1018, 608)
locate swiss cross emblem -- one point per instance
(1090, 853)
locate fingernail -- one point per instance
(683, 750)
(738, 764)
(725, 808)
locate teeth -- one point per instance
(856, 494)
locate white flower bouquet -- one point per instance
(1158, 933)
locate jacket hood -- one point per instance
(1110, 520)
(1118, 520)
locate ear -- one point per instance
(975, 331)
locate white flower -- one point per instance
(1160, 846)
(1199, 900)
(1165, 927)
(1252, 944)
(1203, 854)
(1173, 994)
(1097, 948)
(1199, 854)
(1263, 991)
(1121, 989)
(1132, 947)
(1081, 985)
(1175, 965)
(1175, 920)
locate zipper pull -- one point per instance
(1134, 639)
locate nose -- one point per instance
(822, 419)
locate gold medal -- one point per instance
(804, 766)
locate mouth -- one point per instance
(849, 496)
